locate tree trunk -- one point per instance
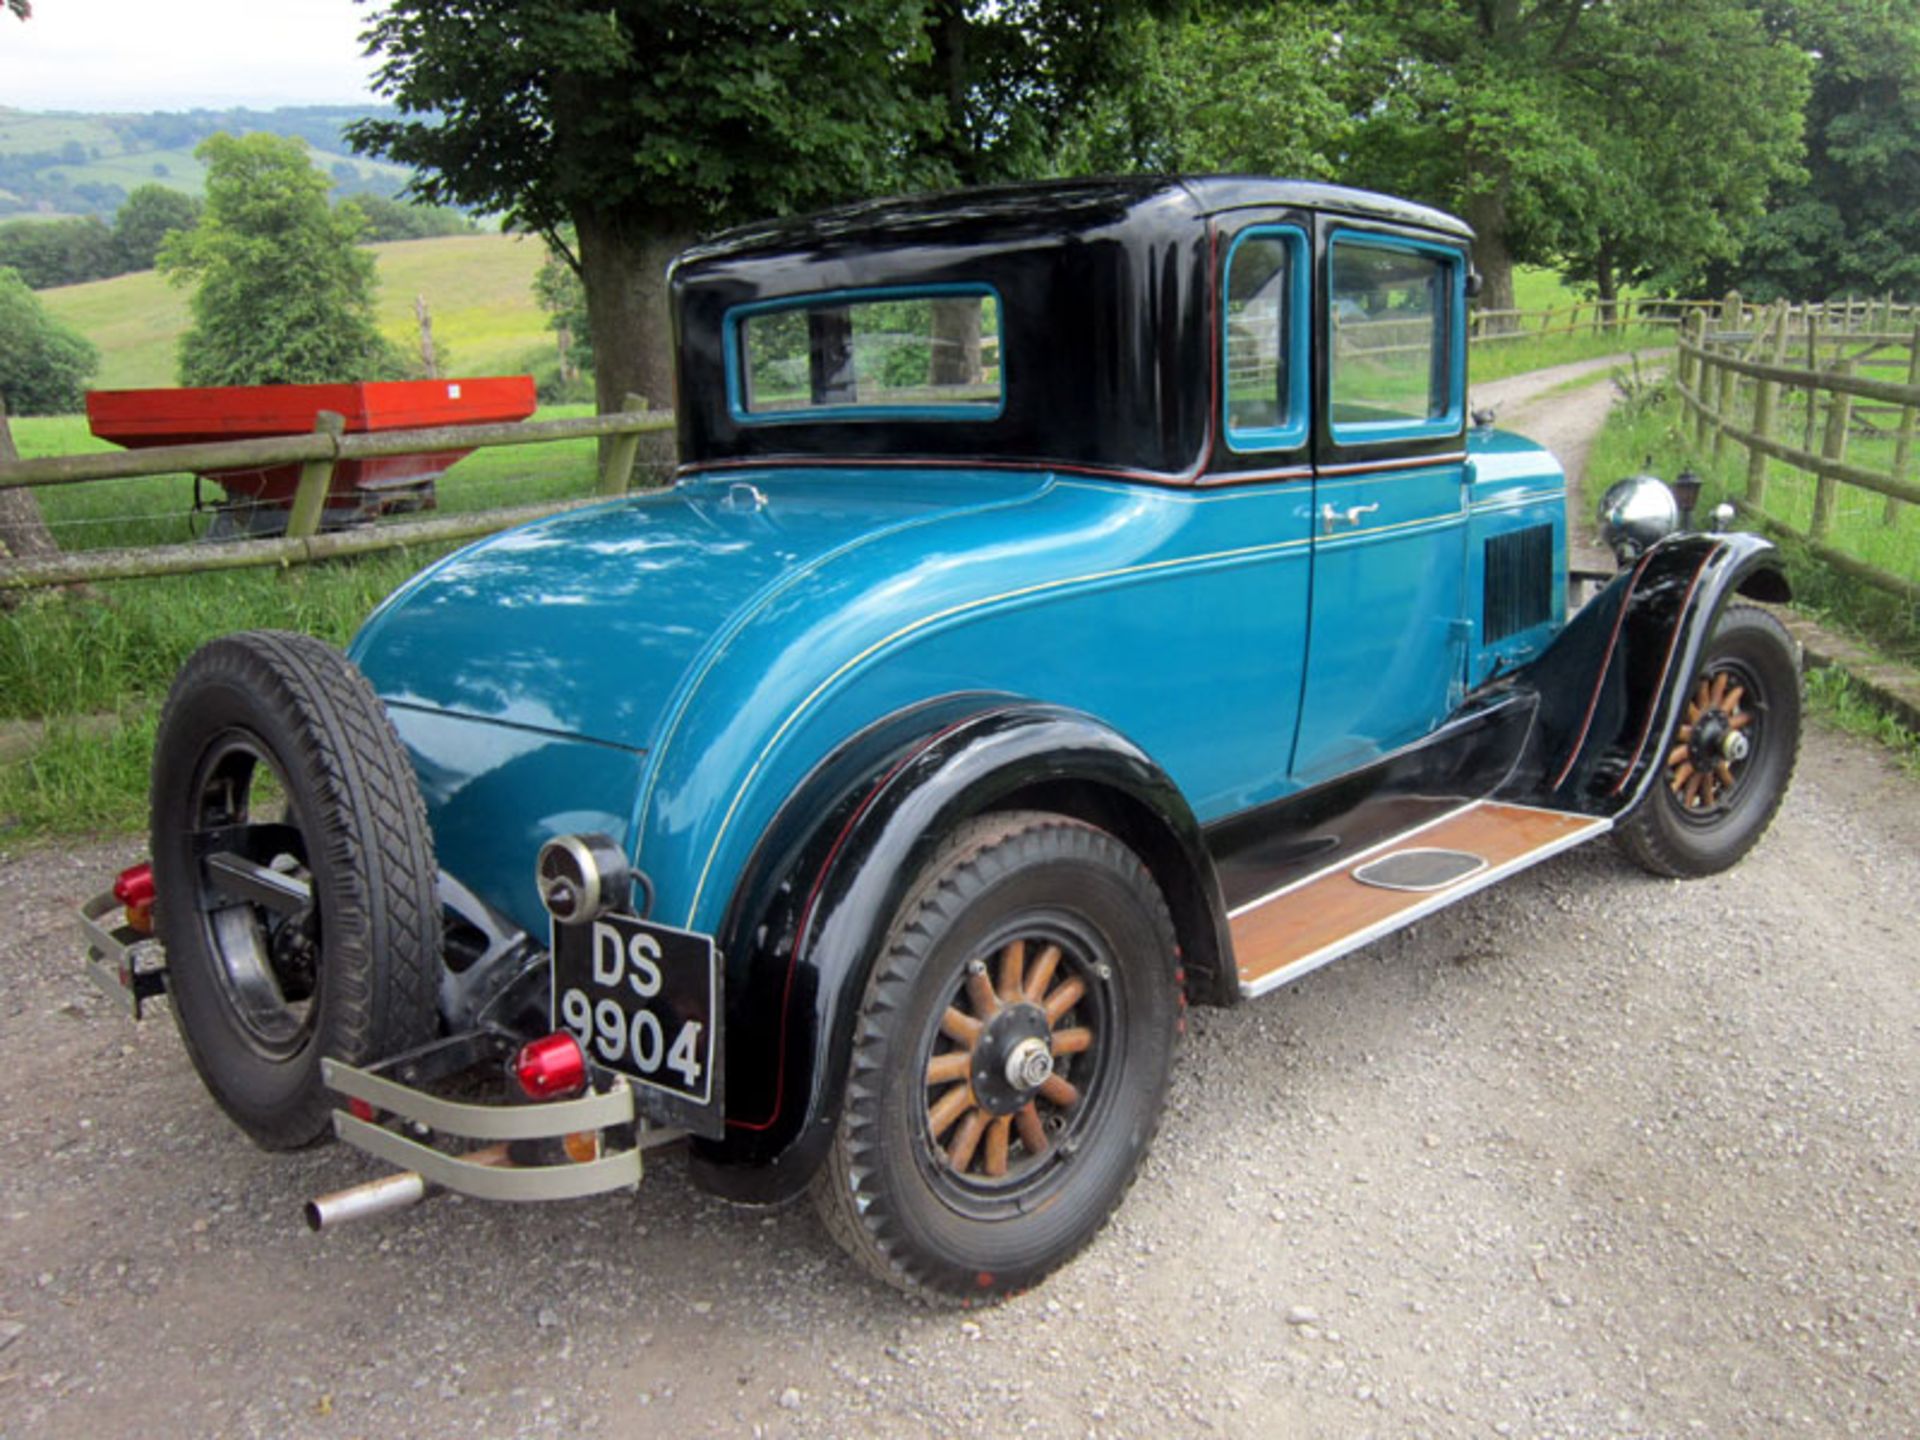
(624, 267)
(23, 530)
(956, 341)
(1486, 212)
(1606, 286)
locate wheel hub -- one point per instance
(1711, 743)
(997, 1092)
(1013, 1059)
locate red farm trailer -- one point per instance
(258, 498)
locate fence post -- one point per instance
(316, 478)
(617, 479)
(1813, 366)
(1833, 447)
(1730, 312)
(1763, 400)
(1702, 377)
(1903, 446)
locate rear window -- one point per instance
(889, 354)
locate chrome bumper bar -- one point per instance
(113, 956)
(488, 1178)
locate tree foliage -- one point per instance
(1851, 222)
(1251, 90)
(644, 123)
(59, 252)
(1569, 131)
(44, 366)
(387, 219)
(282, 294)
(152, 213)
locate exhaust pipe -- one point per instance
(376, 1197)
(389, 1192)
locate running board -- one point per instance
(1282, 936)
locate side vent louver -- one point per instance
(1519, 573)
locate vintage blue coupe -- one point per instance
(1075, 602)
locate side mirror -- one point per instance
(1474, 281)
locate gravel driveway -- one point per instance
(1587, 1155)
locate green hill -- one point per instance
(479, 288)
(75, 163)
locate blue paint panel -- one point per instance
(495, 794)
(1386, 658)
(738, 647)
(1514, 485)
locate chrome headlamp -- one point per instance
(1636, 514)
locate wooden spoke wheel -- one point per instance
(1010, 1062)
(1021, 1029)
(1715, 740)
(1728, 763)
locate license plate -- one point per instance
(644, 999)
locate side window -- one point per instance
(1266, 340)
(1392, 323)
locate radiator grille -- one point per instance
(1519, 571)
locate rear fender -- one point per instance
(813, 908)
(1613, 683)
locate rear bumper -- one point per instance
(124, 962)
(607, 1114)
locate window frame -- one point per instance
(733, 357)
(1448, 321)
(1293, 434)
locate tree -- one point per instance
(646, 122)
(1664, 203)
(642, 123)
(388, 219)
(1258, 90)
(283, 295)
(558, 292)
(20, 8)
(1849, 223)
(59, 252)
(1516, 112)
(150, 214)
(44, 366)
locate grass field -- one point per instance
(478, 287)
(1655, 437)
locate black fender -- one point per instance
(1613, 682)
(806, 922)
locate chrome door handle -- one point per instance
(1330, 517)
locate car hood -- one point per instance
(589, 624)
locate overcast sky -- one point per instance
(183, 54)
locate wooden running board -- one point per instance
(1280, 937)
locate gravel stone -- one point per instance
(1692, 1109)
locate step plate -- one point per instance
(1282, 936)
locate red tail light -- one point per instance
(551, 1068)
(134, 889)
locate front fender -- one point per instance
(1613, 683)
(812, 910)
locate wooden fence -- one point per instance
(316, 454)
(1764, 378)
(1490, 327)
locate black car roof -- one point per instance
(1067, 204)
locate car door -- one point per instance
(1388, 629)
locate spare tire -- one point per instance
(294, 875)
